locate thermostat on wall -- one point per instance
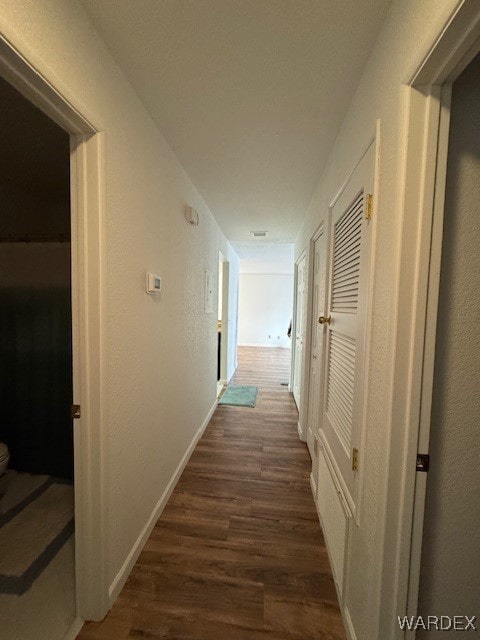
(153, 283)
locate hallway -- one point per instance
(237, 553)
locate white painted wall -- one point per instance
(267, 267)
(450, 576)
(409, 32)
(265, 309)
(160, 353)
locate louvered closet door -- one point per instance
(345, 348)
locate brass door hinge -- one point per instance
(368, 206)
(75, 411)
(354, 459)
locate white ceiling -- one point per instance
(249, 93)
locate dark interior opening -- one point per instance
(35, 289)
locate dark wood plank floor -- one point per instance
(238, 553)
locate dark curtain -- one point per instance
(36, 380)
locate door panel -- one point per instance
(300, 321)
(315, 396)
(345, 331)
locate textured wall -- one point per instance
(450, 576)
(265, 309)
(161, 353)
(410, 30)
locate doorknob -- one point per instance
(325, 319)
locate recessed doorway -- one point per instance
(87, 372)
(37, 550)
(223, 321)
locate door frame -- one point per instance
(322, 229)
(301, 411)
(88, 264)
(425, 114)
(225, 340)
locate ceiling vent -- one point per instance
(259, 234)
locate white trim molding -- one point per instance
(301, 434)
(89, 373)
(74, 630)
(313, 486)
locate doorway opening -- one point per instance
(318, 248)
(223, 321)
(87, 371)
(265, 307)
(299, 332)
(37, 574)
(265, 303)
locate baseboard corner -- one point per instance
(300, 432)
(75, 629)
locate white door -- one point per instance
(300, 320)
(315, 394)
(345, 326)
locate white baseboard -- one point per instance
(75, 629)
(313, 487)
(300, 432)
(351, 635)
(122, 575)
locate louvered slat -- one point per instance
(346, 258)
(341, 378)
